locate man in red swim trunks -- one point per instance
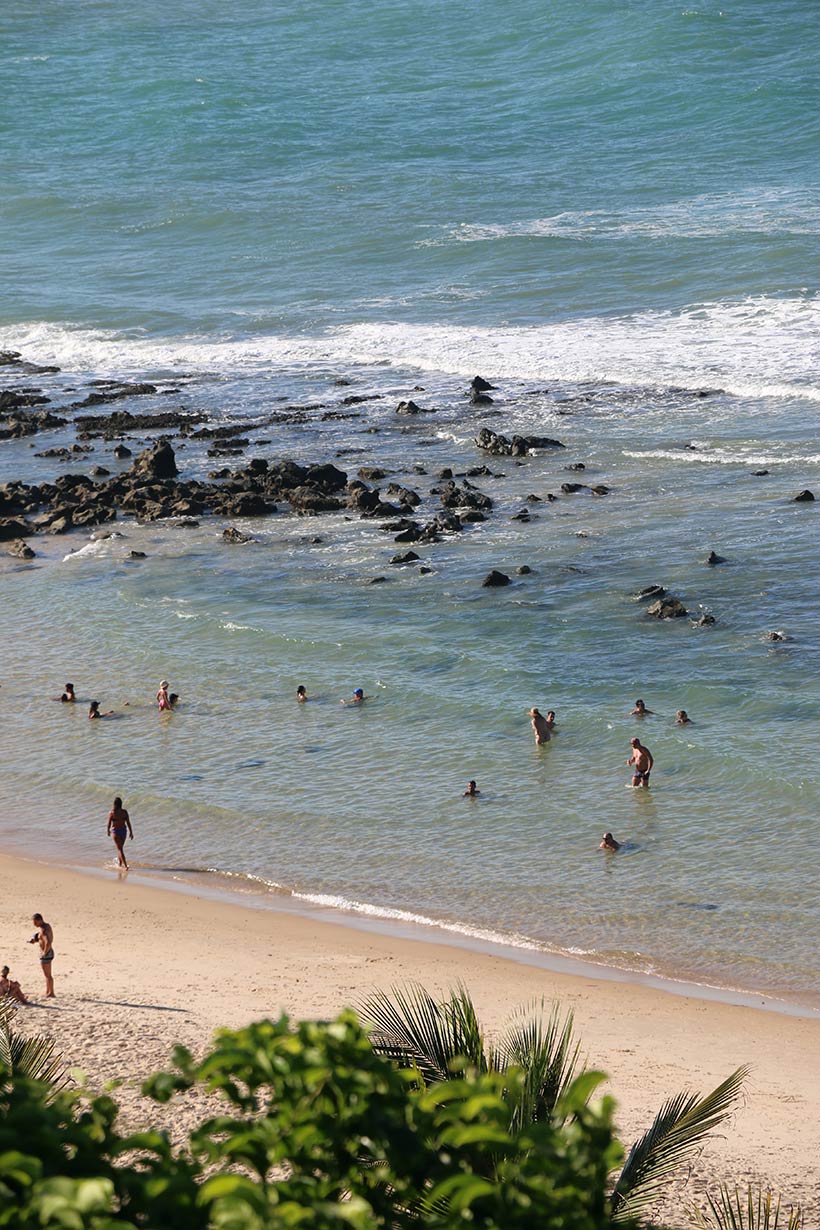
(643, 761)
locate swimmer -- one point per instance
(643, 761)
(540, 727)
(68, 697)
(11, 988)
(119, 825)
(356, 699)
(609, 843)
(301, 694)
(550, 719)
(173, 700)
(471, 792)
(94, 710)
(44, 936)
(163, 702)
(682, 718)
(640, 710)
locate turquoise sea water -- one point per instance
(603, 208)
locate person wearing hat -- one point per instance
(643, 761)
(163, 700)
(540, 727)
(356, 698)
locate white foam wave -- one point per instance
(769, 211)
(757, 347)
(721, 456)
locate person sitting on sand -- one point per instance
(163, 701)
(94, 710)
(643, 761)
(119, 824)
(11, 988)
(301, 694)
(68, 697)
(356, 698)
(540, 727)
(609, 843)
(682, 718)
(471, 792)
(640, 710)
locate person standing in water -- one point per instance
(540, 727)
(643, 761)
(68, 697)
(471, 792)
(640, 710)
(119, 826)
(44, 936)
(163, 701)
(301, 694)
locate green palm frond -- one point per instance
(680, 1127)
(547, 1054)
(36, 1058)
(756, 1211)
(411, 1029)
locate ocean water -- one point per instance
(608, 210)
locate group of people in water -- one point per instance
(166, 700)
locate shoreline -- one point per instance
(139, 968)
(452, 935)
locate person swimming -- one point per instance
(540, 727)
(471, 792)
(68, 697)
(682, 718)
(356, 699)
(173, 700)
(609, 843)
(301, 694)
(94, 710)
(640, 710)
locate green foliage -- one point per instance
(35, 1057)
(677, 1132)
(314, 1131)
(758, 1210)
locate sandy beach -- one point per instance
(140, 968)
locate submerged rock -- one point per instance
(232, 534)
(805, 497)
(479, 385)
(495, 579)
(518, 446)
(667, 608)
(714, 559)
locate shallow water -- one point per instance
(604, 213)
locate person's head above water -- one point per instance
(640, 704)
(358, 692)
(93, 707)
(301, 691)
(681, 717)
(69, 687)
(535, 712)
(163, 683)
(609, 843)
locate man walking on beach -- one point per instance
(643, 761)
(44, 936)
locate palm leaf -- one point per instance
(411, 1029)
(35, 1058)
(680, 1127)
(547, 1054)
(761, 1213)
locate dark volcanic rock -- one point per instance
(495, 579)
(524, 570)
(579, 465)
(156, 462)
(136, 555)
(651, 591)
(713, 558)
(480, 399)
(232, 534)
(371, 474)
(409, 557)
(572, 488)
(408, 407)
(20, 549)
(122, 451)
(805, 497)
(309, 500)
(776, 636)
(115, 392)
(479, 385)
(667, 608)
(518, 446)
(17, 399)
(705, 620)
(600, 489)
(759, 473)
(122, 422)
(10, 528)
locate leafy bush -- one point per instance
(316, 1132)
